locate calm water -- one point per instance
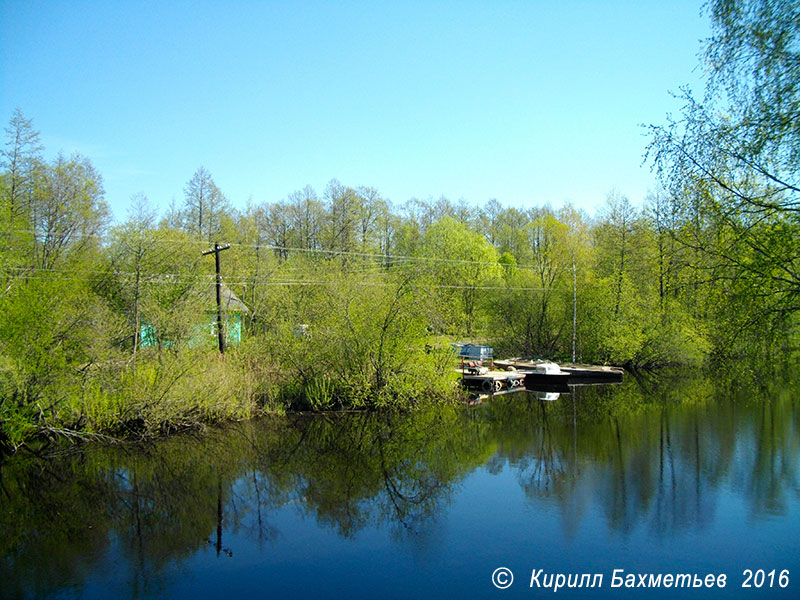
(688, 476)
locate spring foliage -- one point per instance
(352, 301)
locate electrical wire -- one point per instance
(323, 251)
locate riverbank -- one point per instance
(157, 393)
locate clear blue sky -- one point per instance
(526, 102)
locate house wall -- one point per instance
(204, 334)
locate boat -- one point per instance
(578, 374)
(545, 372)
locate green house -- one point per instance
(233, 311)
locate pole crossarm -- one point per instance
(215, 249)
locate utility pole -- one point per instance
(220, 334)
(574, 307)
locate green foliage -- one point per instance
(457, 262)
(53, 333)
(731, 164)
(350, 299)
(678, 339)
(364, 348)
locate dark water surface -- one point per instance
(692, 476)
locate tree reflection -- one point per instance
(652, 454)
(643, 454)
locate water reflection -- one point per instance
(657, 457)
(662, 457)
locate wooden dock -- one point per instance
(519, 376)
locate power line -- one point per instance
(330, 252)
(188, 279)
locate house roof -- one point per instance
(230, 301)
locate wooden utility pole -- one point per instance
(220, 334)
(574, 307)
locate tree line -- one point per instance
(353, 300)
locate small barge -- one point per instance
(488, 382)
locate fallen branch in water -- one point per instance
(52, 433)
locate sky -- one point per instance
(525, 102)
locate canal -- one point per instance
(638, 483)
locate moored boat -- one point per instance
(545, 372)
